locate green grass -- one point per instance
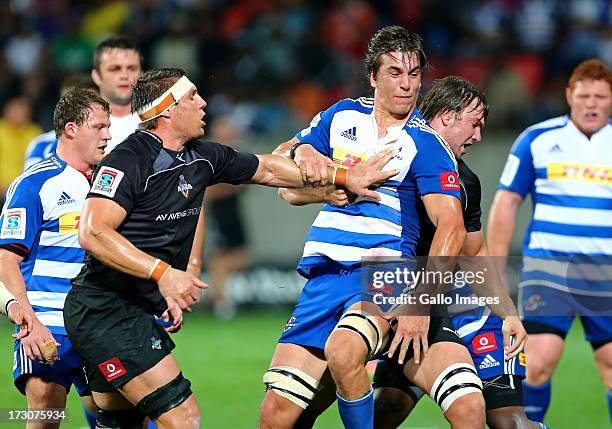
(225, 362)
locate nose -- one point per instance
(202, 102)
(477, 136)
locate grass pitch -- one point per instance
(225, 362)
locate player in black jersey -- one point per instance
(451, 107)
(137, 226)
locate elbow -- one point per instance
(87, 238)
(288, 196)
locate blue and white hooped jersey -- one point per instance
(347, 133)
(568, 244)
(42, 147)
(569, 177)
(40, 221)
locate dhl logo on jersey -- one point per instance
(69, 223)
(580, 172)
(345, 158)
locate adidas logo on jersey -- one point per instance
(65, 199)
(555, 149)
(350, 134)
(488, 362)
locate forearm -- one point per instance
(116, 252)
(11, 276)
(280, 172)
(303, 196)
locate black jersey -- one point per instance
(162, 192)
(470, 205)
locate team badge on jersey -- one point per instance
(14, 224)
(449, 181)
(69, 223)
(112, 368)
(484, 343)
(184, 187)
(510, 169)
(107, 181)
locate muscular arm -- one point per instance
(502, 221)
(98, 236)
(444, 211)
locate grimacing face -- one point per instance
(397, 82)
(590, 104)
(119, 70)
(464, 128)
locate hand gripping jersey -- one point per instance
(161, 191)
(40, 221)
(569, 241)
(347, 133)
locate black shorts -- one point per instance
(503, 391)
(228, 226)
(117, 339)
(389, 373)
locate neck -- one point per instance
(119, 111)
(588, 134)
(169, 139)
(66, 153)
(386, 119)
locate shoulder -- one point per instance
(44, 138)
(35, 176)
(536, 130)
(361, 105)
(427, 141)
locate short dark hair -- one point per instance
(75, 106)
(114, 42)
(151, 85)
(390, 39)
(452, 94)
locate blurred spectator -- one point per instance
(229, 253)
(16, 131)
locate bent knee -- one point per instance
(277, 412)
(345, 351)
(468, 411)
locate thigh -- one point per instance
(42, 393)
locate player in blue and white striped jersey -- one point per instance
(565, 164)
(39, 248)
(333, 329)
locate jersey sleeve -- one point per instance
(119, 177)
(435, 170)
(229, 165)
(473, 212)
(21, 219)
(519, 174)
(317, 133)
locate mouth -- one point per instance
(591, 115)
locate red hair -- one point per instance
(592, 69)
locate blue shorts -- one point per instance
(66, 371)
(548, 310)
(324, 299)
(486, 345)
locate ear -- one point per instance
(372, 80)
(95, 76)
(568, 96)
(446, 116)
(70, 130)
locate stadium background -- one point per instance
(270, 65)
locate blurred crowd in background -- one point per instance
(270, 63)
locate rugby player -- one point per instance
(565, 163)
(333, 328)
(137, 225)
(457, 111)
(39, 249)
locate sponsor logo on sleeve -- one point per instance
(449, 181)
(510, 169)
(107, 181)
(69, 223)
(14, 224)
(484, 343)
(112, 368)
